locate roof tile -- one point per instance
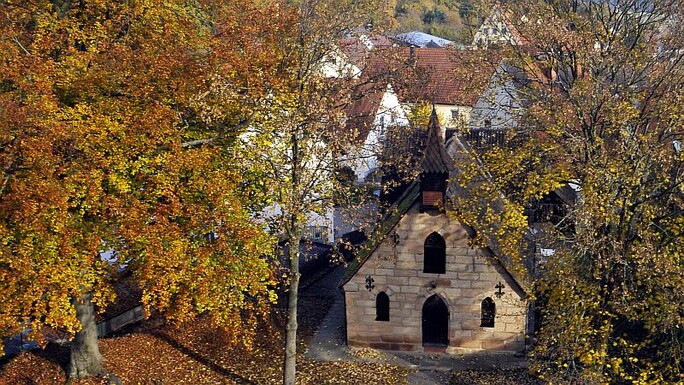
(448, 76)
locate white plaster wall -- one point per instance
(336, 65)
(500, 104)
(444, 111)
(493, 30)
(390, 114)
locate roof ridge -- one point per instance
(394, 214)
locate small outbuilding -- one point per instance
(420, 286)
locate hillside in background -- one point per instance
(456, 20)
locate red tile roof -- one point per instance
(356, 50)
(363, 108)
(435, 75)
(448, 76)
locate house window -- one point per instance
(382, 307)
(316, 233)
(434, 260)
(488, 313)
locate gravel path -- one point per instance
(329, 341)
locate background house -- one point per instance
(397, 79)
(452, 80)
(498, 108)
(496, 30)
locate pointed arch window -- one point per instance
(434, 257)
(488, 313)
(382, 307)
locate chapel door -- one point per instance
(435, 322)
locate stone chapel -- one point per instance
(420, 286)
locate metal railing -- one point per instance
(485, 137)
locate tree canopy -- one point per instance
(298, 140)
(602, 97)
(455, 20)
(112, 139)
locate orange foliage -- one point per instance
(116, 126)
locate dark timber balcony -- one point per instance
(485, 137)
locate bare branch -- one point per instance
(21, 46)
(222, 132)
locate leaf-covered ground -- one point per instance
(197, 354)
(494, 377)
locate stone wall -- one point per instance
(396, 268)
(115, 323)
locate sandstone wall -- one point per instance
(470, 277)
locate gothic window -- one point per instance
(382, 307)
(434, 259)
(488, 313)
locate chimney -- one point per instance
(412, 56)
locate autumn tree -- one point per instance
(602, 97)
(299, 138)
(456, 20)
(110, 142)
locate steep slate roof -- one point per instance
(448, 76)
(391, 219)
(458, 151)
(436, 159)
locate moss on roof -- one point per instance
(390, 220)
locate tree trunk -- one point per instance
(86, 359)
(290, 369)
